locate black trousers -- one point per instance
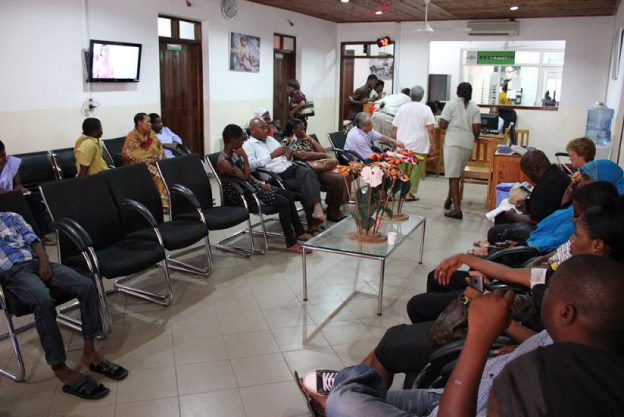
(405, 348)
(288, 217)
(303, 181)
(504, 230)
(428, 306)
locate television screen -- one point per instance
(114, 61)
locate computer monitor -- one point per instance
(489, 123)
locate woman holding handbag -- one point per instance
(312, 153)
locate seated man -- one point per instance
(550, 185)
(569, 315)
(264, 151)
(26, 273)
(170, 141)
(89, 148)
(501, 121)
(362, 136)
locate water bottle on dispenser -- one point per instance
(598, 126)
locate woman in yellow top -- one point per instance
(502, 96)
(142, 145)
(88, 149)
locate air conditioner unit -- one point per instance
(493, 28)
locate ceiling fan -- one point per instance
(426, 27)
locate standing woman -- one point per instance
(142, 145)
(296, 101)
(462, 120)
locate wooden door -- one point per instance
(284, 68)
(181, 95)
(346, 88)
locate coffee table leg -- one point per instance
(422, 240)
(305, 275)
(381, 285)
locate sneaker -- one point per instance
(320, 381)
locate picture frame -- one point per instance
(244, 52)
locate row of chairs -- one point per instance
(111, 226)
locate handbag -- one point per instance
(308, 110)
(451, 324)
(323, 165)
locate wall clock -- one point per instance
(229, 8)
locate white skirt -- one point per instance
(455, 160)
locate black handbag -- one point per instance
(451, 324)
(308, 110)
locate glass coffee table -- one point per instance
(336, 240)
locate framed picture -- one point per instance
(244, 53)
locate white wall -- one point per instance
(585, 76)
(614, 96)
(43, 87)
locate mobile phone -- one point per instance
(476, 282)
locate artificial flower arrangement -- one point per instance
(406, 162)
(380, 180)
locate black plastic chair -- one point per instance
(64, 163)
(135, 183)
(338, 140)
(187, 175)
(258, 209)
(113, 149)
(94, 214)
(15, 202)
(36, 168)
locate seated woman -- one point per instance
(10, 181)
(170, 141)
(142, 145)
(310, 151)
(581, 151)
(233, 162)
(427, 306)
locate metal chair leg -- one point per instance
(11, 334)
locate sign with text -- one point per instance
(496, 57)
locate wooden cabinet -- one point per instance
(506, 169)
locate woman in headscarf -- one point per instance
(142, 145)
(274, 131)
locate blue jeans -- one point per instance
(360, 391)
(23, 283)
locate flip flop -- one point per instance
(109, 370)
(315, 408)
(85, 387)
(412, 199)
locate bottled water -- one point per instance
(598, 126)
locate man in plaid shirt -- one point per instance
(28, 276)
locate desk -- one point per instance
(435, 163)
(336, 240)
(506, 168)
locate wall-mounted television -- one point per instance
(114, 61)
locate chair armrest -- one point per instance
(500, 285)
(185, 192)
(348, 155)
(79, 230)
(141, 209)
(520, 254)
(273, 176)
(64, 227)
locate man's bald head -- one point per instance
(258, 128)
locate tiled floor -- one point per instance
(228, 345)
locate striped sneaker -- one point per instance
(320, 381)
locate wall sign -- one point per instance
(496, 57)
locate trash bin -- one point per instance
(502, 191)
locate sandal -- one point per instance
(85, 387)
(297, 248)
(481, 244)
(109, 370)
(411, 197)
(304, 237)
(454, 215)
(480, 252)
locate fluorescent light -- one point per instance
(344, 1)
(513, 8)
(378, 12)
